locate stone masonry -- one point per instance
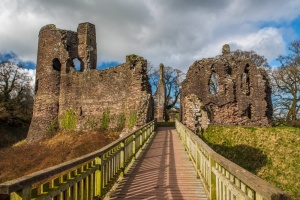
(87, 93)
(233, 91)
(160, 97)
(195, 115)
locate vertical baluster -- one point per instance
(75, 191)
(212, 181)
(144, 135)
(61, 181)
(92, 185)
(81, 184)
(122, 159)
(98, 177)
(133, 147)
(86, 189)
(198, 162)
(228, 191)
(104, 175)
(108, 171)
(53, 184)
(68, 191)
(223, 189)
(113, 166)
(141, 138)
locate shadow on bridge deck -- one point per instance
(162, 172)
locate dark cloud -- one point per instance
(175, 32)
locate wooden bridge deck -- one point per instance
(162, 172)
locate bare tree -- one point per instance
(173, 78)
(286, 84)
(16, 95)
(259, 60)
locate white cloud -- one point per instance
(31, 74)
(267, 41)
(174, 32)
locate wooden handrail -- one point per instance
(222, 178)
(86, 177)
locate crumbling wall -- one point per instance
(194, 113)
(80, 99)
(234, 90)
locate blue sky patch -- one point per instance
(12, 57)
(105, 65)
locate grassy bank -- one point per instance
(271, 153)
(22, 159)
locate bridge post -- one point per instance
(98, 181)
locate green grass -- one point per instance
(271, 153)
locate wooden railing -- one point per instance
(222, 179)
(88, 177)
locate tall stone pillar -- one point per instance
(160, 97)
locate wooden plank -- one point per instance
(162, 172)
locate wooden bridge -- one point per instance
(150, 163)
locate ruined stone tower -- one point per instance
(160, 96)
(85, 94)
(231, 90)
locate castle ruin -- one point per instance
(226, 90)
(122, 92)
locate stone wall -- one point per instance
(122, 92)
(234, 91)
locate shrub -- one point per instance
(69, 120)
(121, 122)
(105, 120)
(132, 118)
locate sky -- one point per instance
(173, 32)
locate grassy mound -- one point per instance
(22, 159)
(273, 154)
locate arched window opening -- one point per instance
(214, 83)
(245, 85)
(56, 64)
(228, 70)
(77, 64)
(249, 112)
